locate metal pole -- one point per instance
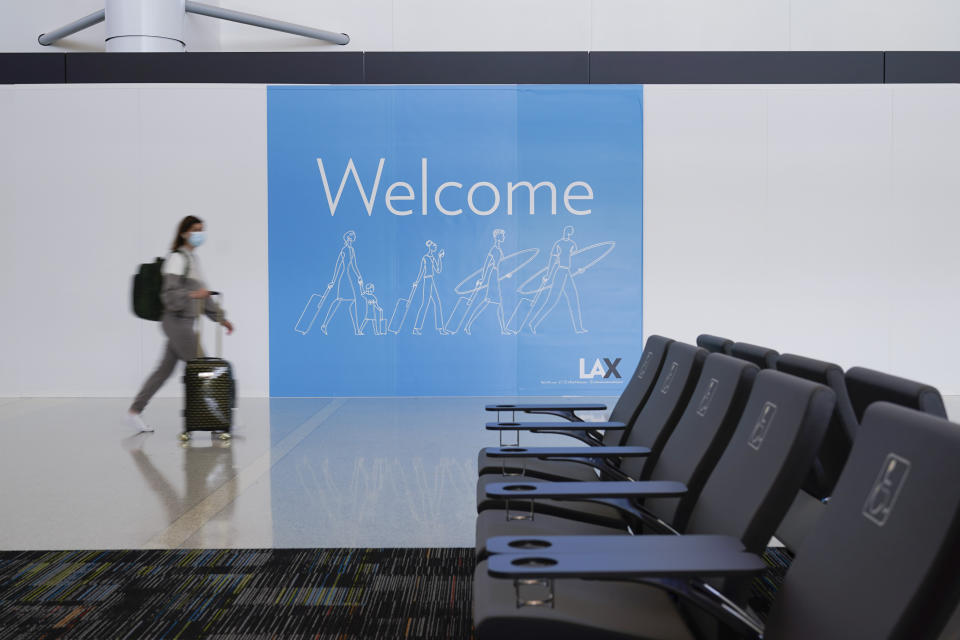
(267, 23)
(46, 39)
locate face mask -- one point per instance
(197, 238)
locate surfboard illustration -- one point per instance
(580, 260)
(468, 290)
(508, 266)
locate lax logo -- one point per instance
(607, 369)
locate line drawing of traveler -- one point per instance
(561, 282)
(345, 274)
(430, 264)
(372, 311)
(490, 282)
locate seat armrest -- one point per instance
(581, 406)
(685, 557)
(566, 452)
(555, 426)
(582, 490)
(566, 411)
(609, 544)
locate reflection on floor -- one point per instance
(356, 472)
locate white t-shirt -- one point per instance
(181, 263)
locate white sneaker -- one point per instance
(137, 423)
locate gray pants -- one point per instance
(181, 345)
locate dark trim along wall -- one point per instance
(495, 67)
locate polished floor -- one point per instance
(350, 472)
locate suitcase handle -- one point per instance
(199, 332)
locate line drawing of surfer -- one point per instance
(345, 274)
(489, 282)
(469, 288)
(558, 279)
(430, 264)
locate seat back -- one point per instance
(882, 561)
(867, 386)
(761, 356)
(670, 395)
(714, 344)
(702, 434)
(766, 460)
(843, 425)
(637, 392)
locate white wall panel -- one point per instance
(827, 241)
(884, 25)
(23, 22)
(204, 152)
(103, 175)
(925, 262)
(815, 220)
(492, 25)
(78, 184)
(8, 240)
(645, 25)
(690, 25)
(704, 175)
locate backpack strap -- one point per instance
(186, 262)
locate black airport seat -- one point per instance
(763, 357)
(714, 344)
(881, 563)
(688, 457)
(671, 392)
(867, 386)
(625, 412)
(744, 498)
(855, 390)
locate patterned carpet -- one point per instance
(237, 594)
(765, 587)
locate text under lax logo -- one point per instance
(886, 489)
(707, 397)
(762, 427)
(605, 370)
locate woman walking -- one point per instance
(345, 274)
(490, 282)
(183, 285)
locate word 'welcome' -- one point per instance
(450, 194)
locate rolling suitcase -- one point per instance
(520, 315)
(400, 312)
(210, 389)
(455, 319)
(310, 312)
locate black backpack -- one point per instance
(147, 284)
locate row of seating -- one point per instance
(654, 527)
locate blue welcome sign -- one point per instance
(466, 240)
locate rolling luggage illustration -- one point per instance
(400, 312)
(210, 389)
(311, 311)
(520, 315)
(455, 319)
